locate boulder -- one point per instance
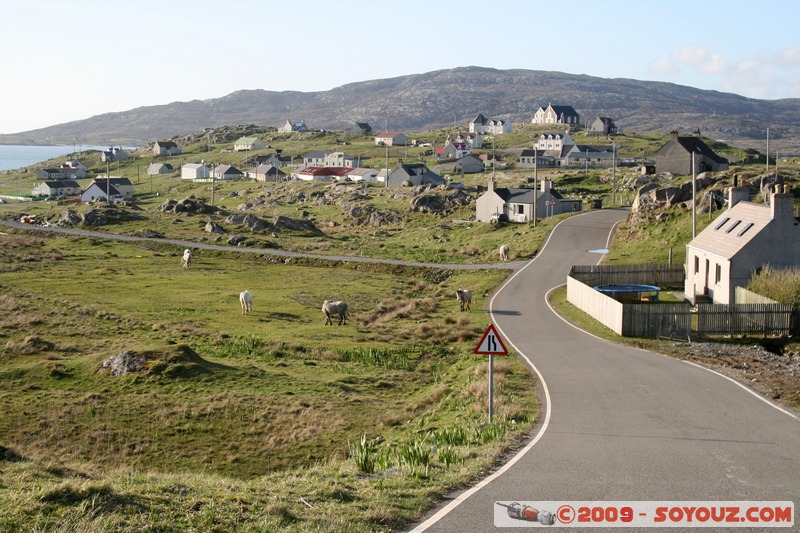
(69, 218)
(213, 227)
(283, 222)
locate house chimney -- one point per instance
(673, 135)
(737, 194)
(782, 205)
(491, 183)
(546, 185)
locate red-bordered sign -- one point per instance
(491, 343)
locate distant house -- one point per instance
(391, 138)
(556, 114)
(360, 128)
(276, 160)
(413, 174)
(534, 158)
(112, 189)
(155, 169)
(469, 164)
(244, 144)
(363, 174)
(472, 140)
(676, 156)
(455, 150)
(267, 173)
(193, 171)
(290, 126)
(166, 148)
(226, 172)
(486, 126)
(602, 126)
(518, 203)
(113, 154)
(57, 188)
(321, 173)
(587, 154)
(73, 169)
(339, 159)
(50, 174)
(739, 242)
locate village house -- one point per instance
(114, 189)
(391, 138)
(226, 172)
(194, 171)
(50, 174)
(676, 156)
(363, 174)
(556, 114)
(276, 160)
(73, 169)
(57, 188)
(453, 150)
(113, 154)
(267, 173)
(517, 204)
(155, 169)
(166, 148)
(602, 126)
(739, 243)
(360, 128)
(534, 158)
(413, 174)
(469, 164)
(486, 126)
(244, 144)
(289, 126)
(321, 173)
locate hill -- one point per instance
(442, 98)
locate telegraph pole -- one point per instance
(535, 186)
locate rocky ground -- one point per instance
(774, 373)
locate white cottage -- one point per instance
(742, 240)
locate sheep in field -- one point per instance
(464, 297)
(332, 309)
(186, 260)
(504, 252)
(247, 302)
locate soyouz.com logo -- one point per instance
(728, 514)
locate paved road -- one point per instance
(618, 423)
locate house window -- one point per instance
(733, 226)
(744, 230)
(718, 274)
(696, 264)
(520, 209)
(724, 221)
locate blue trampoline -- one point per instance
(630, 291)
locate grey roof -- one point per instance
(480, 119)
(725, 236)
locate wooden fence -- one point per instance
(657, 320)
(744, 319)
(660, 275)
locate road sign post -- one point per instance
(491, 344)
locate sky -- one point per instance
(69, 60)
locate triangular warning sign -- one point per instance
(491, 343)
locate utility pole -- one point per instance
(694, 200)
(613, 173)
(108, 183)
(535, 186)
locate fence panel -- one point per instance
(742, 319)
(657, 320)
(661, 275)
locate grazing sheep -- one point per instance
(464, 297)
(247, 302)
(339, 309)
(186, 260)
(504, 253)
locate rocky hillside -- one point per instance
(437, 99)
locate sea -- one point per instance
(13, 156)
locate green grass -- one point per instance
(238, 422)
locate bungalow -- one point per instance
(321, 173)
(114, 189)
(483, 125)
(556, 114)
(391, 138)
(676, 156)
(243, 144)
(276, 160)
(166, 148)
(290, 126)
(193, 171)
(267, 173)
(57, 188)
(469, 164)
(518, 203)
(740, 242)
(50, 174)
(585, 154)
(413, 174)
(363, 174)
(533, 158)
(226, 172)
(155, 169)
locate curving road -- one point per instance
(618, 423)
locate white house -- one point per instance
(243, 144)
(166, 148)
(742, 240)
(518, 203)
(155, 169)
(193, 171)
(486, 126)
(57, 188)
(115, 189)
(363, 174)
(391, 138)
(290, 126)
(556, 114)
